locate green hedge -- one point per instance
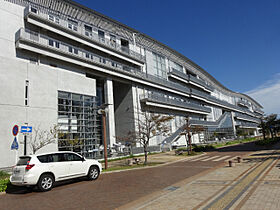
(3, 184)
(267, 142)
(203, 148)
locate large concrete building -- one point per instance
(61, 60)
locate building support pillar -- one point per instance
(233, 125)
(109, 99)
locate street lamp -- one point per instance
(103, 109)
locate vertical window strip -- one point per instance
(26, 95)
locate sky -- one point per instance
(236, 41)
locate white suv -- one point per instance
(45, 169)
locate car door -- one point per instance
(78, 167)
(59, 165)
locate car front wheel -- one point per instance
(45, 182)
(93, 173)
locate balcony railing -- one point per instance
(246, 124)
(173, 102)
(190, 78)
(78, 28)
(56, 45)
(243, 103)
(246, 117)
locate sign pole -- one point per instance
(24, 144)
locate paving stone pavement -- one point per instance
(252, 184)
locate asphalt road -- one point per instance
(113, 190)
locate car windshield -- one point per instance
(23, 161)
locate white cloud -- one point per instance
(268, 95)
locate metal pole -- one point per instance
(104, 139)
(189, 135)
(25, 144)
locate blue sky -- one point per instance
(236, 41)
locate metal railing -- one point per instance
(246, 124)
(164, 100)
(79, 29)
(56, 45)
(246, 117)
(190, 78)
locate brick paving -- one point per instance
(252, 184)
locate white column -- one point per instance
(109, 99)
(233, 125)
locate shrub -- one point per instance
(4, 175)
(203, 148)
(3, 184)
(267, 142)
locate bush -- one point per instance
(4, 175)
(3, 184)
(203, 148)
(267, 142)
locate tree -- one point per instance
(41, 138)
(269, 124)
(149, 125)
(189, 130)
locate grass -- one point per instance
(4, 180)
(125, 167)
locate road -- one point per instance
(113, 190)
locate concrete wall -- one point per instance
(124, 109)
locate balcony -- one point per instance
(58, 47)
(191, 79)
(259, 111)
(245, 117)
(243, 103)
(246, 124)
(160, 99)
(79, 29)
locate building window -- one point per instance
(73, 25)
(79, 125)
(34, 10)
(101, 35)
(51, 42)
(112, 40)
(54, 43)
(88, 30)
(176, 66)
(159, 66)
(76, 51)
(124, 45)
(26, 95)
(54, 18)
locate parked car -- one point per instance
(44, 170)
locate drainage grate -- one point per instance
(172, 188)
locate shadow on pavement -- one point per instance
(12, 189)
(247, 147)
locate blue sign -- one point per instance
(26, 129)
(14, 144)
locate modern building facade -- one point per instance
(60, 61)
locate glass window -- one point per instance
(57, 44)
(51, 42)
(159, 66)
(76, 115)
(70, 49)
(23, 161)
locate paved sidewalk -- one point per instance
(252, 184)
